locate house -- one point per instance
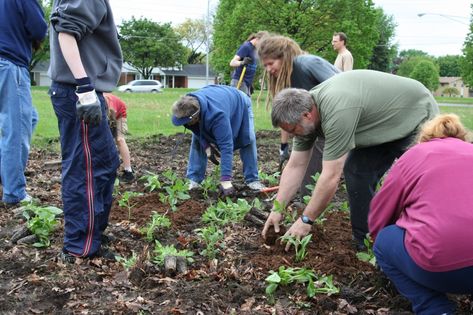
(188, 76)
(455, 82)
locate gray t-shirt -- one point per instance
(364, 108)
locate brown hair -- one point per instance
(258, 35)
(285, 49)
(342, 37)
(442, 126)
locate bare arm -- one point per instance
(71, 54)
(236, 62)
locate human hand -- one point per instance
(298, 230)
(88, 106)
(226, 188)
(273, 220)
(283, 157)
(246, 61)
(212, 154)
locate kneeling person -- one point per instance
(221, 120)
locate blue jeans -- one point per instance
(248, 155)
(18, 118)
(89, 164)
(425, 289)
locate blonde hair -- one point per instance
(442, 126)
(285, 49)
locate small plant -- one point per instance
(300, 246)
(271, 179)
(171, 176)
(226, 212)
(285, 276)
(157, 221)
(210, 183)
(211, 236)
(41, 221)
(161, 252)
(178, 191)
(311, 188)
(289, 216)
(125, 201)
(367, 256)
(129, 262)
(344, 206)
(116, 187)
(152, 181)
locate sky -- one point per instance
(441, 31)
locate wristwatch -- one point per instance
(306, 219)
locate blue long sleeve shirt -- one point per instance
(21, 22)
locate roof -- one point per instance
(197, 70)
(449, 80)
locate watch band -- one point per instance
(306, 219)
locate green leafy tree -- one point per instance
(194, 36)
(427, 73)
(147, 44)
(42, 52)
(451, 91)
(450, 65)
(405, 56)
(467, 61)
(407, 66)
(310, 23)
(385, 51)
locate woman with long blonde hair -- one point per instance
(287, 65)
(422, 218)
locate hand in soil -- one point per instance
(298, 230)
(272, 221)
(272, 236)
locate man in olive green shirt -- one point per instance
(368, 118)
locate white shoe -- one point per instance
(193, 185)
(256, 185)
(27, 199)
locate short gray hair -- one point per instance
(289, 105)
(185, 106)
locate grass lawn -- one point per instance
(149, 114)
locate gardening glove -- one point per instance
(88, 106)
(213, 153)
(246, 61)
(283, 157)
(226, 188)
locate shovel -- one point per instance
(241, 77)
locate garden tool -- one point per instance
(241, 77)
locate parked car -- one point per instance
(146, 86)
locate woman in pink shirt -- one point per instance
(422, 218)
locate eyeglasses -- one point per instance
(191, 117)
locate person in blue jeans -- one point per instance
(221, 120)
(22, 26)
(86, 61)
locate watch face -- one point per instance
(306, 219)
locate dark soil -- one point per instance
(34, 281)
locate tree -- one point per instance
(467, 61)
(42, 52)
(427, 73)
(194, 36)
(449, 66)
(385, 51)
(450, 91)
(311, 23)
(147, 44)
(408, 64)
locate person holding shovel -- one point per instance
(368, 118)
(245, 62)
(221, 120)
(286, 65)
(421, 218)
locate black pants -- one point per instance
(363, 170)
(315, 166)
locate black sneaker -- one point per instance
(127, 176)
(66, 257)
(107, 239)
(104, 253)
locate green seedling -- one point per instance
(286, 276)
(344, 206)
(171, 176)
(125, 201)
(157, 221)
(288, 216)
(311, 188)
(300, 246)
(116, 187)
(212, 237)
(210, 183)
(367, 256)
(160, 252)
(41, 221)
(178, 191)
(271, 179)
(226, 212)
(129, 262)
(152, 181)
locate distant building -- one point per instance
(187, 76)
(455, 82)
